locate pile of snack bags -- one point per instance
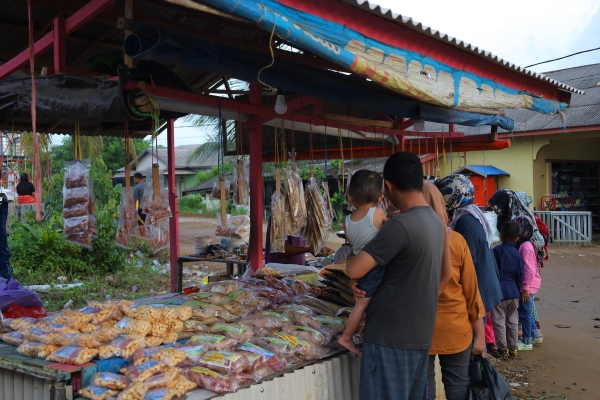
(228, 334)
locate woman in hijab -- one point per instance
(469, 221)
(508, 205)
(529, 248)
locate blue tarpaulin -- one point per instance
(401, 70)
(148, 42)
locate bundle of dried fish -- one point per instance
(122, 235)
(241, 194)
(155, 201)
(79, 224)
(318, 220)
(223, 227)
(277, 222)
(329, 215)
(216, 192)
(294, 201)
(130, 214)
(159, 234)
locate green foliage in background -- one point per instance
(318, 173)
(111, 149)
(204, 176)
(338, 203)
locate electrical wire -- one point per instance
(561, 58)
(269, 87)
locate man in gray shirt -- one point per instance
(401, 315)
(138, 193)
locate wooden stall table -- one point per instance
(229, 266)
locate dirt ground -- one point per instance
(568, 362)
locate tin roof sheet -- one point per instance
(408, 22)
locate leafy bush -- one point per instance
(41, 253)
(191, 203)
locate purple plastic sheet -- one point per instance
(13, 292)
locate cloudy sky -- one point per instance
(524, 32)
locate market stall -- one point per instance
(344, 73)
(227, 336)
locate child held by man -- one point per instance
(505, 316)
(364, 193)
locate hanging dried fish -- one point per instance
(318, 220)
(294, 202)
(278, 217)
(241, 195)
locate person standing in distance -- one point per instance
(138, 193)
(401, 314)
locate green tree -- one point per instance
(112, 153)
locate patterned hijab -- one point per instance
(459, 194)
(507, 205)
(524, 198)
(527, 229)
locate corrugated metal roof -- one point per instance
(584, 109)
(409, 23)
(483, 170)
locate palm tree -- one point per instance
(212, 127)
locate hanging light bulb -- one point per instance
(418, 121)
(280, 106)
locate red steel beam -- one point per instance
(386, 151)
(431, 141)
(405, 124)
(292, 106)
(256, 197)
(550, 131)
(59, 45)
(174, 221)
(428, 157)
(258, 110)
(75, 21)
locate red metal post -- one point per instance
(59, 45)
(214, 101)
(85, 14)
(176, 273)
(400, 146)
(256, 193)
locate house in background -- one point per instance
(185, 171)
(550, 154)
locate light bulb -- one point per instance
(280, 106)
(418, 124)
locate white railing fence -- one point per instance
(568, 226)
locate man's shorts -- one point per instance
(141, 217)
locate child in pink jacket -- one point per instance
(532, 280)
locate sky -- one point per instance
(523, 32)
